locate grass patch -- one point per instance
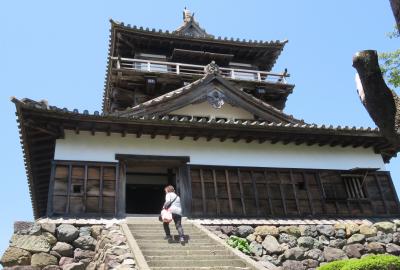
(372, 262)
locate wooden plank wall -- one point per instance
(257, 192)
(81, 188)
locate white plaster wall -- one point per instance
(205, 109)
(84, 146)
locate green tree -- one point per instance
(390, 63)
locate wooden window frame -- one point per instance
(70, 164)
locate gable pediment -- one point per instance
(222, 97)
(205, 109)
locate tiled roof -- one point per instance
(251, 42)
(208, 77)
(42, 105)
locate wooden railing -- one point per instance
(188, 69)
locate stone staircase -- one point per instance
(200, 251)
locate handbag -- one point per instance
(166, 215)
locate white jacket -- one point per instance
(176, 207)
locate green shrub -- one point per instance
(372, 262)
(336, 265)
(239, 243)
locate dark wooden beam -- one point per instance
(262, 140)
(249, 140)
(32, 125)
(153, 134)
(168, 134)
(139, 133)
(236, 139)
(275, 140)
(41, 139)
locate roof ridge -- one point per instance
(210, 37)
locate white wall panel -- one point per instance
(84, 146)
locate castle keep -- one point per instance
(205, 114)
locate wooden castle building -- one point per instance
(206, 115)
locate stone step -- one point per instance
(173, 230)
(190, 244)
(196, 263)
(190, 257)
(184, 252)
(171, 247)
(175, 241)
(162, 233)
(159, 225)
(157, 236)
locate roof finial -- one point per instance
(187, 15)
(212, 68)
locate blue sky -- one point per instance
(57, 50)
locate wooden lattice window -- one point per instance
(83, 188)
(354, 186)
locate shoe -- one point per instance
(182, 239)
(168, 237)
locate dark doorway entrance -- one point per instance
(144, 179)
(145, 190)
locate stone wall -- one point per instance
(52, 246)
(305, 247)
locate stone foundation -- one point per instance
(53, 246)
(305, 247)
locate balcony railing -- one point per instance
(197, 70)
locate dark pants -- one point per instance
(178, 225)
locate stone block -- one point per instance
(30, 243)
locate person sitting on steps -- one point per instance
(173, 203)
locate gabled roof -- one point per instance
(214, 89)
(190, 27)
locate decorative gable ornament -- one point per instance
(212, 68)
(216, 99)
(190, 27)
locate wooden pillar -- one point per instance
(228, 187)
(185, 185)
(203, 193)
(309, 196)
(117, 186)
(294, 191)
(282, 194)
(241, 193)
(268, 192)
(322, 191)
(85, 188)
(121, 191)
(255, 191)
(101, 189)
(381, 193)
(50, 195)
(216, 193)
(69, 185)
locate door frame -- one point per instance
(183, 183)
